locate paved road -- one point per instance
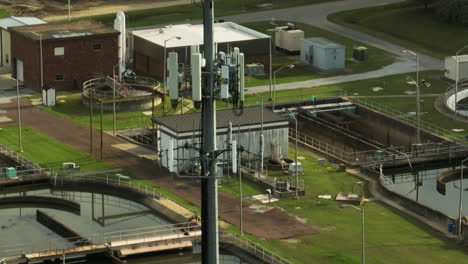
(316, 15)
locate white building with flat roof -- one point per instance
(5, 39)
(148, 45)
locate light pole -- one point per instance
(271, 61)
(296, 168)
(69, 11)
(165, 74)
(361, 209)
(113, 103)
(274, 81)
(418, 100)
(457, 77)
(19, 114)
(460, 204)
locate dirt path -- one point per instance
(274, 223)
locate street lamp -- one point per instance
(165, 74)
(290, 66)
(271, 60)
(457, 77)
(361, 209)
(69, 11)
(296, 167)
(114, 95)
(19, 114)
(418, 109)
(460, 204)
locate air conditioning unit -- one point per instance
(254, 69)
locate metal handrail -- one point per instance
(405, 118)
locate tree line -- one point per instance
(451, 11)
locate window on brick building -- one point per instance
(59, 51)
(59, 77)
(97, 46)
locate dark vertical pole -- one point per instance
(209, 195)
(91, 124)
(102, 110)
(153, 131)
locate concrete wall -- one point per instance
(389, 132)
(79, 63)
(148, 57)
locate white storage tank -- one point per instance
(323, 54)
(451, 67)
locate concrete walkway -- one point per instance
(402, 65)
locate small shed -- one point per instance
(323, 54)
(246, 130)
(451, 67)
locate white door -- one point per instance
(19, 70)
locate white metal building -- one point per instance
(451, 67)
(148, 45)
(5, 40)
(185, 129)
(323, 54)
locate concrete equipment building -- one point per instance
(148, 46)
(246, 130)
(451, 68)
(5, 39)
(63, 55)
(323, 54)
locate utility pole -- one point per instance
(209, 191)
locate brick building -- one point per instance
(62, 55)
(148, 45)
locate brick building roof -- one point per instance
(251, 115)
(62, 30)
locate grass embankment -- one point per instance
(194, 12)
(391, 237)
(408, 25)
(46, 151)
(377, 58)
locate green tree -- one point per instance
(426, 3)
(452, 11)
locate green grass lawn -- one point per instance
(301, 72)
(46, 151)
(192, 12)
(408, 25)
(428, 112)
(4, 13)
(391, 237)
(392, 85)
(73, 110)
